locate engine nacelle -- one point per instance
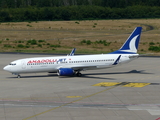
(65, 72)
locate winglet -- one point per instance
(72, 52)
(117, 61)
(131, 44)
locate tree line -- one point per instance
(57, 3)
(38, 10)
(83, 12)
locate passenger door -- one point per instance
(23, 64)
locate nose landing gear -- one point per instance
(18, 75)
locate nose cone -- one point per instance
(6, 68)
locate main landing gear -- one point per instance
(78, 74)
(18, 76)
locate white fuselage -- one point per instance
(79, 62)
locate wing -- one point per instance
(80, 68)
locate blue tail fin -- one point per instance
(131, 44)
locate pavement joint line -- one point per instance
(70, 102)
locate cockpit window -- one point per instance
(12, 64)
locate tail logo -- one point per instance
(132, 45)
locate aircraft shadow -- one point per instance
(130, 72)
(89, 75)
(35, 76)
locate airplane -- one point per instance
(73, 64)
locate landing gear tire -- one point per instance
(79, 74)
(18, 76)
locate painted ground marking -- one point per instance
(136, 84)
(106, 84)
(124, 84)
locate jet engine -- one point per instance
(65, 72)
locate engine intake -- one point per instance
(65, 72)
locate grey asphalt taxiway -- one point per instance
(127, 92)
